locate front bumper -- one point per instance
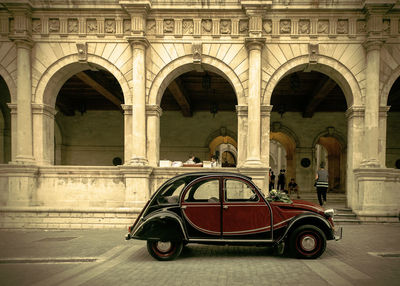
(338, 234)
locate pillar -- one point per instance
(241, 111)
(139, 155)
(127, 132)
(265, 130)
(383, 110)
(153, 134)
(254, 46)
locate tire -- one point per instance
(164, 250)
(307, 241)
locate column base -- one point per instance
(138, 161)
(370, 163)
(23, 160)
(252, 163)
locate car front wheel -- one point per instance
(164, 250)
(307, 241)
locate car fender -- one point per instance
(308, 218)
(163, 225)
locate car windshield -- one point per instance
(170, 193)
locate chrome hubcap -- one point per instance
(163, 246)
(308, 243)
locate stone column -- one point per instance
(24, 111)
(127, 132)
(241, 111)
(265, 129)
(355, 127)
(371, 126)
(254, 45)
(43, 122)
(383, 110)
(153, 134)
(139, 156)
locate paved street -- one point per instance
(369, 254)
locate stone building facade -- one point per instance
(57, 170)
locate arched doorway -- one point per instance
(282, 149)
(5, 123)
(306, 102)
(392, 129)
(194, 104)
(89, 127)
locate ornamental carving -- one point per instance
(206, 26)
(36, 25)
(323, 27)
(386, 26)
(73, 26)
(91, 26)
(151, 27)
(267, 26)
(285, 27)
(304, 27)
(188, 27)
(361, 27)
(197, 49)
(168, 26)
(243, 26)
(54, 25)
(127, 26)
(342, 27)
(225, 26)
(109, 26)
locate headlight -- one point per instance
(329, 213)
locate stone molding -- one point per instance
(127, 109)
(153, 110)
(138, 42)
(242, 110)
(266, 110)
(38, 108)
(355, 111)
(255, 43)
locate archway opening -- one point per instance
(89, 127)
(392, 130)
(5, 123)
(224, 148)
(195, 104)
(282, 150)
(308, 103)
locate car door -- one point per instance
(201, 207)
(245, 214)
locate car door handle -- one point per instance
(225, 207)
(183, 207)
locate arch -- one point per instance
(12, 87)
(326, 65)
(388, 86)
(220, 132)
(331, 132)
(60, 71)
(278, 127)
(184, 64)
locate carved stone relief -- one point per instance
(206, 26)
(73, 25)
(91, 26)
(386, 26)
(304, 27)
(285, 27)
(109, 26)
(267, 26)
(361, 27)
(197, 49)
(243, 26)
(225, 26)
(36, 25)
(188, 27)
(323, 27)
(54, 25)
(151, 27)
(127, 26)
(342, 27)
(168, 26)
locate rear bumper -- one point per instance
(338, 234)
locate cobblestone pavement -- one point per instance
(368, 254)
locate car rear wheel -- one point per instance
(164, 250)
(307, 241)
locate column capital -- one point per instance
(153, 110)
(138, 42)
(127, 109)
(373, 44)
(355, 111)
(256, 43)
(242, 110)
(38, 108)
(266, 110)
(383, 110)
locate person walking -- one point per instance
(271, 181)
(281, 181)
(321, 180)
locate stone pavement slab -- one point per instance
(367, 255)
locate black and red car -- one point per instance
(228, 208)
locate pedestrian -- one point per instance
(293, 187)
(271, 181)
(281, 180)
(321, 182)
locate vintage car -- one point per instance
(228, 208)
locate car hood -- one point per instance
(301, 204)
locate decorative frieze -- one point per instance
(304, 27)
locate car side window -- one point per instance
(203, 191)
(239, 191)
